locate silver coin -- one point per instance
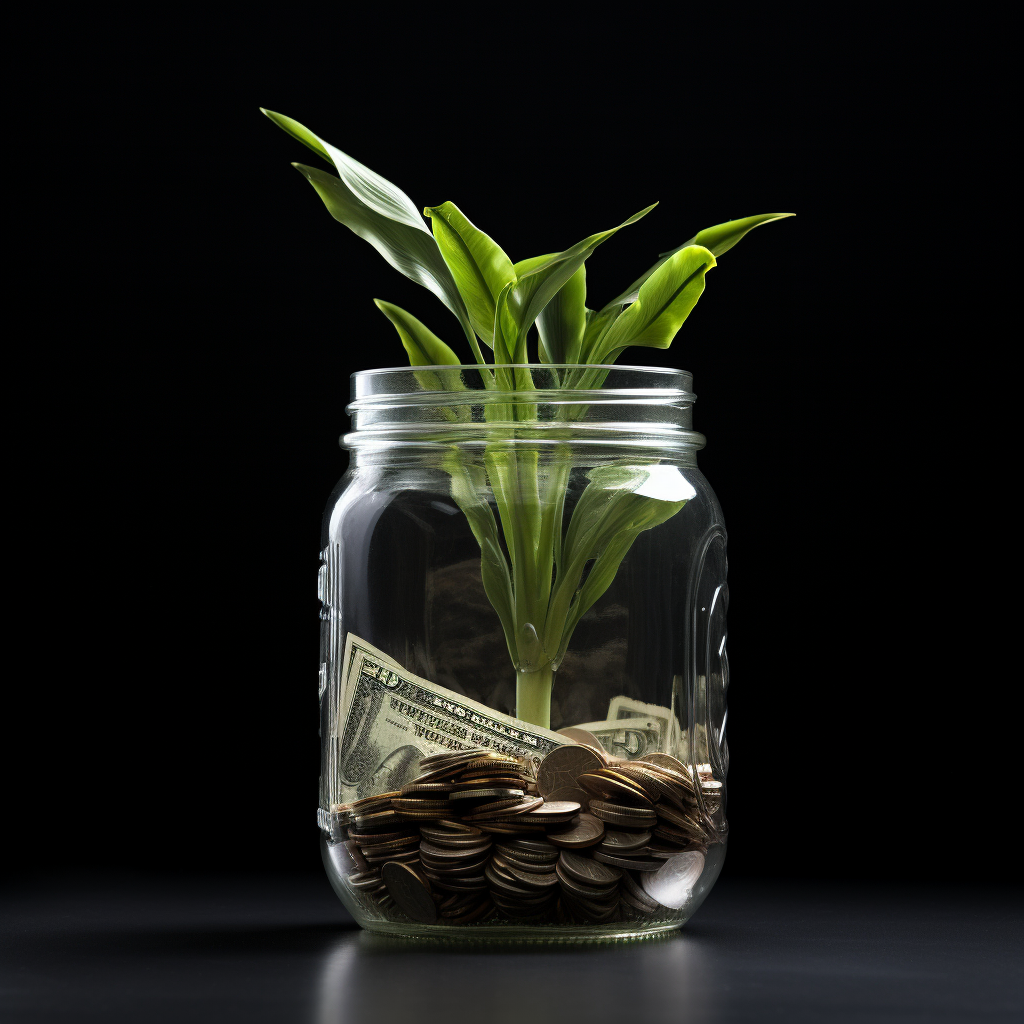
(564, 765)
(672, 884)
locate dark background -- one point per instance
(211, 312)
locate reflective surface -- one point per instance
(281, 950)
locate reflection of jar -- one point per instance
(515, 573)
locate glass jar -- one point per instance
(523, 671)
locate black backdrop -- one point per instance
(226, 311)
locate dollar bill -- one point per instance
(388, 719)
(622, 707)
(630, 739)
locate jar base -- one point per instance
(572, 934)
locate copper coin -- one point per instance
(407, 889)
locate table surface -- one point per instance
(281, 949)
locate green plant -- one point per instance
(552, 573)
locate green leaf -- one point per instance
(423, 346)
(617, 505)
(722, 237)
(480, 267)
(469, 485)
(598, 324)
(718, 239)
(562, 322)
(300, 132)
(664, 301)
(382, 214)
(426, 349)
(541, 278)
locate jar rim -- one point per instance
(523, 366)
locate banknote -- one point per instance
(622, 707)
(630, 739)
(388, 719)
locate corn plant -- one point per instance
(548, 573)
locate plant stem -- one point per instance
(533, 696)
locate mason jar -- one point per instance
(523, 670)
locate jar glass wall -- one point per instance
(523, 671)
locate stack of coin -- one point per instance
(453, 857)
(521, 876)
(635, 902)
(378, 833)
(589, 889)
(681, 826)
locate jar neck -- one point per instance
(606, 408)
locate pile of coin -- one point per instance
(522, 878)
(377, 834)
(589, 841)
(453, 857)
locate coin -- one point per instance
(586, 832)
(608, 784)
(564, 765)
(634, 904)
(495, 805)
(579, 889)
(618, 818)
(683, 821)
(574, 793)
(623, 842)
(454, 870)
(495, 762)
(369, 801)
(664, 760)
(528, 803)
(587, 870)
(392, 844)
(479, 794)
(586, 738)
(532, 866)
(646, 778)
(530, 847)
(462, 853)
(407, 889)
(417, 804)
(673, 882)
(449, 830)
(425, 788)
(510, 829)
(632, 888)
(402, 855)
(627, 863)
